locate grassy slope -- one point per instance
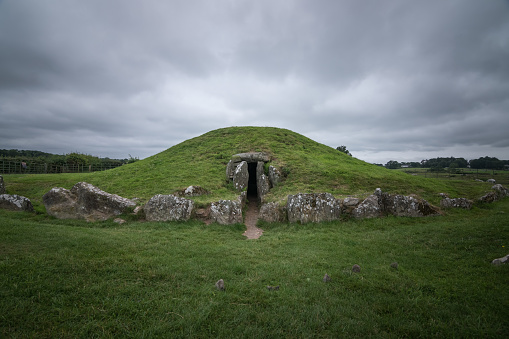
(312, 167)
(63, 278)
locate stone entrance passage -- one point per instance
(246, 171)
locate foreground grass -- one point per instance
(73, 279)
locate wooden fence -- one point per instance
(11, 167)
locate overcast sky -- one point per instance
(391, 80)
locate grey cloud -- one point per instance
(376, 76)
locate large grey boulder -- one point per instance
(500, 261)
(371, 207)
(97, 204)
(241, 176)
(500, 191)
(313, 207)
(168, 208)
(61, 203)
(380, 203)
(272, 212)
(489, 197)
(2, 185)
(15, 203)
(84, 201)
(407, 206)
(456, 203)
(349, 204)
(226, 212)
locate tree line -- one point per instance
(28, 157)
(452, 163)
(439, 164)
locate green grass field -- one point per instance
(77, 279)
(70, 278)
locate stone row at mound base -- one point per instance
(85, 201)
(318, 207)
(308, 207)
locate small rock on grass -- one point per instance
(500, 261)
(356, 268)
(220, 285)
(394, 265)
(326, 278)
(273, 288)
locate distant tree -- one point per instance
(132, 159)
(453, 168)
(444, 162)
(76, 159)
(392, 164)
(343, 150)
(411, 164)
(487, 163)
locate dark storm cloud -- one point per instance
(382, 77)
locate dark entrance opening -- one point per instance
(252, 188)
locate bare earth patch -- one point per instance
(252, 232)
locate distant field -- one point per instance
(501, 176)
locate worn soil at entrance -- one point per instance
(252, 232)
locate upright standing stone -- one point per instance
(274, 176)
(241, 176)
(262, 181)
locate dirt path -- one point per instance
(252, 232)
